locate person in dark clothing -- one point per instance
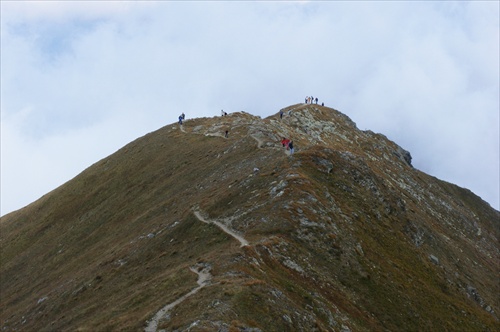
(290, 145)
(226, 134)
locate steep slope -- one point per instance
(184, 229)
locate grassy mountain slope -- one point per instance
(343, 235)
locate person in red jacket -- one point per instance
(285, 142)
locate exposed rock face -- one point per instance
(343, 235)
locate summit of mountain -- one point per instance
(185, 229)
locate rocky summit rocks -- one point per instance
(186, 229)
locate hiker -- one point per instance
(290, 145)
(306, 100)
(281, 114)
(180, 120)
(322, 104)
(226, 134)
(316, 100)
(285, 142)
(183, 116)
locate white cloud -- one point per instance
(80, 73)
(60, 11)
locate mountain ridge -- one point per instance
(343, 235)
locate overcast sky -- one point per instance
(79, 80)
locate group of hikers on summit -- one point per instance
(311, 99)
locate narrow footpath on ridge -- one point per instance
(238, 237)
(260, 144)
(204, 278)
(259, 141)
(202, 270)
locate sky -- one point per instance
(81, 79)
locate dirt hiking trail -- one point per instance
(221, 226)
(204, 277)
